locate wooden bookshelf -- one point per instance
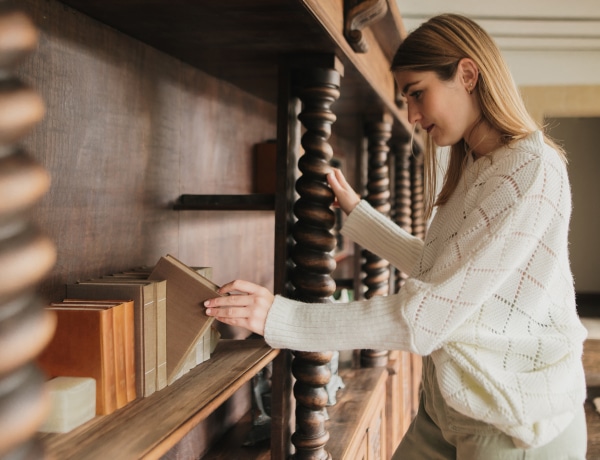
(149, 427)
(149, 101)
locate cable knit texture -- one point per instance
(490, 296)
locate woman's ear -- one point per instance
(468, 73)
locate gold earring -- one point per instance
(470, 90)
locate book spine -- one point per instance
(118, 314)
(107, 399)
(149, 340)
(129, 345)
(161, 334)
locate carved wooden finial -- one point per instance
(359, 15)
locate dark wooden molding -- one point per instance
(253, 202)
(361, 14)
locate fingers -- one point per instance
(339, 176)
(334, 181)
(236, 300)
(247, 306)
(240, 286)
(345, 195)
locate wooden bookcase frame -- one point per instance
(308, 55)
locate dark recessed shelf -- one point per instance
(252, 202)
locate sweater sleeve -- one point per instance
(380, 235)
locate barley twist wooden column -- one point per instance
(318, 89)
(400, 385)
(376, 269)
(26, 256)
(403, 194)
(417, 204)
(418, 229)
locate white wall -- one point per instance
(546, 42)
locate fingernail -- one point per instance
(208, 311)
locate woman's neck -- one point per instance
(483, 140)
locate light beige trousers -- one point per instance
(439, 433)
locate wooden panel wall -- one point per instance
(127, 130)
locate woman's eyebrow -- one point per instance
(407, 87)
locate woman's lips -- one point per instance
(429, 128)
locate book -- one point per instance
(83, 346)
(161, 333)
(264, 167)
(118, 334)
(186, 320)
(124, 340)
(142, 294)
(160, 300)
(207, 272)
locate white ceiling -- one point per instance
(545, 42)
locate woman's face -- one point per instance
(444, 109)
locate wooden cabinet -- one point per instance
(152, 112)
(358, 420)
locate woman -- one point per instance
(489, 303)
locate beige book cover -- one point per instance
(186, 320)
(160, 298)
(142, 294)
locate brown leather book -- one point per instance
(186, 320)
(83, 346)
(124, 339)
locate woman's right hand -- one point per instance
(346, 197)
(247, 305)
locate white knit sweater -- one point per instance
(490, 296)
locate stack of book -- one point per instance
(94, 339)
(135, 332)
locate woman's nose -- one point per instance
(413, 114)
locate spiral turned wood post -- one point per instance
(318, 89)
(376, 269)
(26, 256)
(417, 193)
(418, 229)
(402, 213)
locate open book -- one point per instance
(187, 323)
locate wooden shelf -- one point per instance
(231, 446)
(245, 43)
(149, 427)
(350, 417)
(252, 202)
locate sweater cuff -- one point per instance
(283, 328)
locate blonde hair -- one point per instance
(438, 45)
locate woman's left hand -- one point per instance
(247, 305)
